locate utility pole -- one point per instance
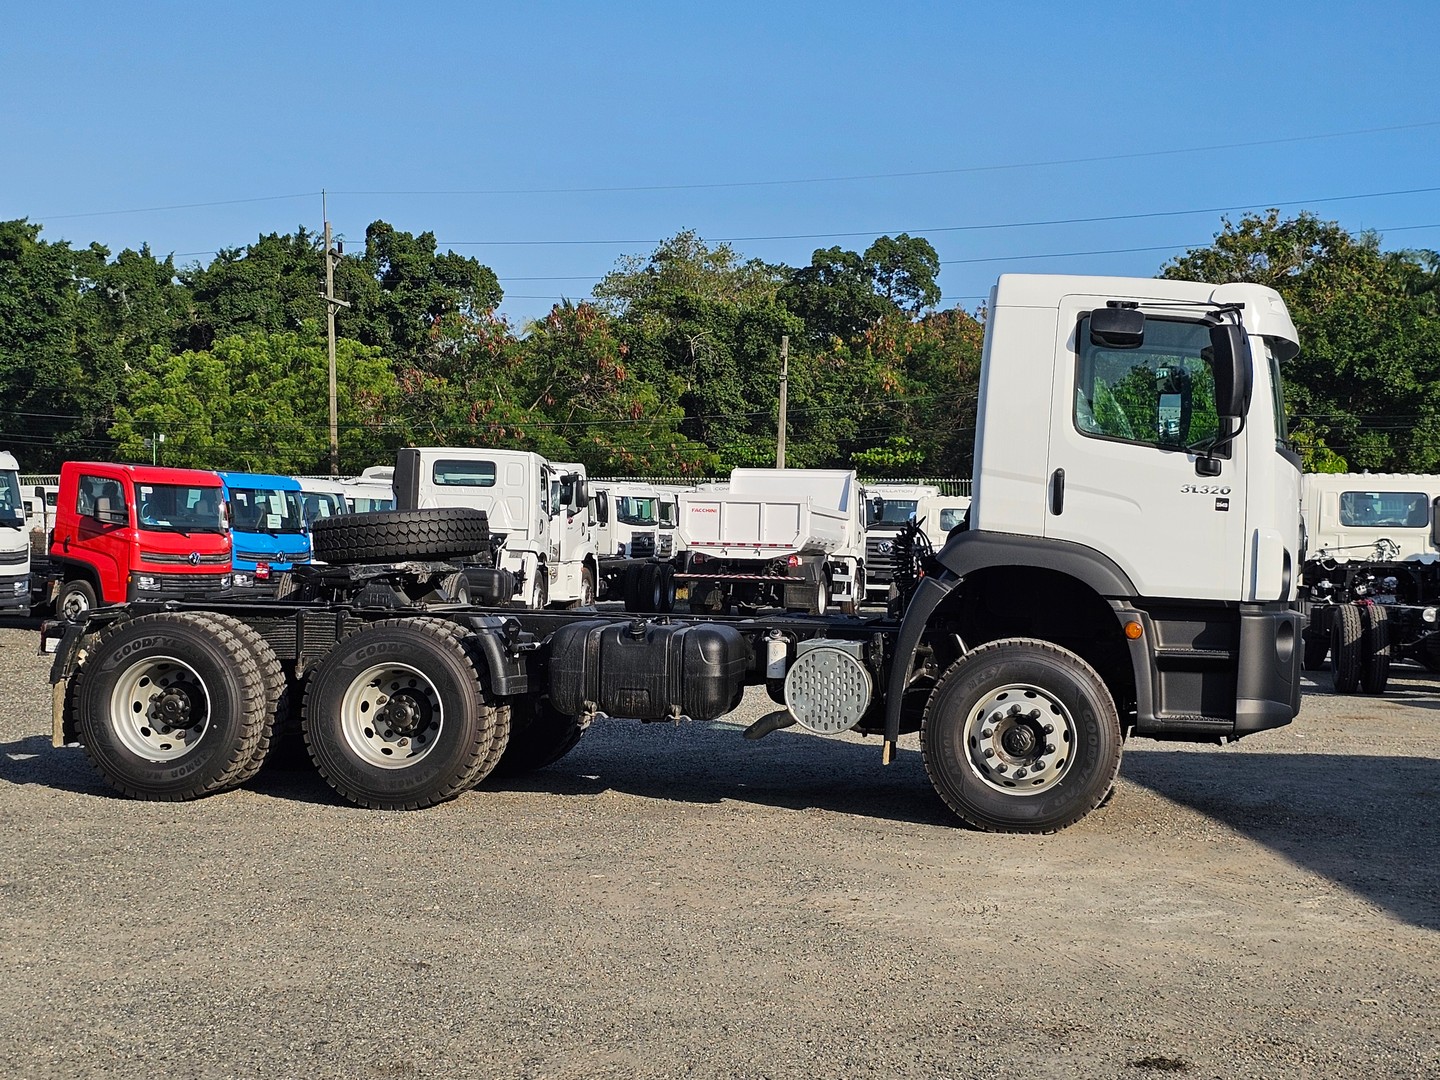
(784, 386)
(332, 255)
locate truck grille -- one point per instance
(14, 558)
(166, 558)
(880, 557)
(642, 545)
(665, 546)
(189, 584)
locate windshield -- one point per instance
(321, 504)
(633, 511)
(12, 510)
(896, 511)
(265, 510)
(180, 508)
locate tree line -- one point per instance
(672, 368)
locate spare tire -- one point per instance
(400, 535)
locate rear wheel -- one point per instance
(1317, 647)
(173, 706)
(1021, 736)
(395, 717)
(539, 736)
(1374, 649)
(1346, 631)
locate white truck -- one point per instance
(1130, 571)
(633, 523)
(888, 509)
(14, 540)
(538, 514)
(792, 537)
(1370, 584)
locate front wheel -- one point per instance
(1021, 736)
(75, 599)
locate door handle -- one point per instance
(1057, 492)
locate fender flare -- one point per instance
(965, 553)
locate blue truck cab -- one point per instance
(269, 533)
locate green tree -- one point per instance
(260, 402)
(1366, 383)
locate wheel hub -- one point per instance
(1019, 740)
(173, 707)
(391, 715)
(160, 708)
(404, 714)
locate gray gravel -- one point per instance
(678, 902)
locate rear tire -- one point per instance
(1021, 736)
(539, 736)
(587, 589)
(1346, 632)
(172, 706)
(1375, 649)
(395, 718)
(1317, 647)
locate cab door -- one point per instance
(1123, 478)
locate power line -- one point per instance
(178, 206)
(1266, 203)
(962, 170)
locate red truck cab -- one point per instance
(136, 532)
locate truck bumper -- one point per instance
(1268, 690)
(15, 593)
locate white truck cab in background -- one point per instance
(538, 508)
(14, 540)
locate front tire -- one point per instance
(395, 717)
(172, 706)
(1021, 736)
(77, 596)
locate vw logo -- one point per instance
(887, 547)
(193, 558)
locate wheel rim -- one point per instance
(391, 716)
(160, 708)
(74, 603)
(1020, 740)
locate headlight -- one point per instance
(1430, 614)
(226, 581)
(22, 586)
(145, 581)
(244, 581)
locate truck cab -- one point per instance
(538, 511)
(136, 532)
(1152, 529)
(268, 527)
(14, 540)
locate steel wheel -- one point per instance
(391, 716)
(1019, 738)
(159, 708)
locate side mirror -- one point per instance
(1435, 522)
(1233, 376)
(1117, 327)
(602, 508)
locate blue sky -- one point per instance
(548, 139)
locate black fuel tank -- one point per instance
(648, 670)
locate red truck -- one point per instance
(135, 532)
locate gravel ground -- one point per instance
(678, 902)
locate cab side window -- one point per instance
(1160, 394)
